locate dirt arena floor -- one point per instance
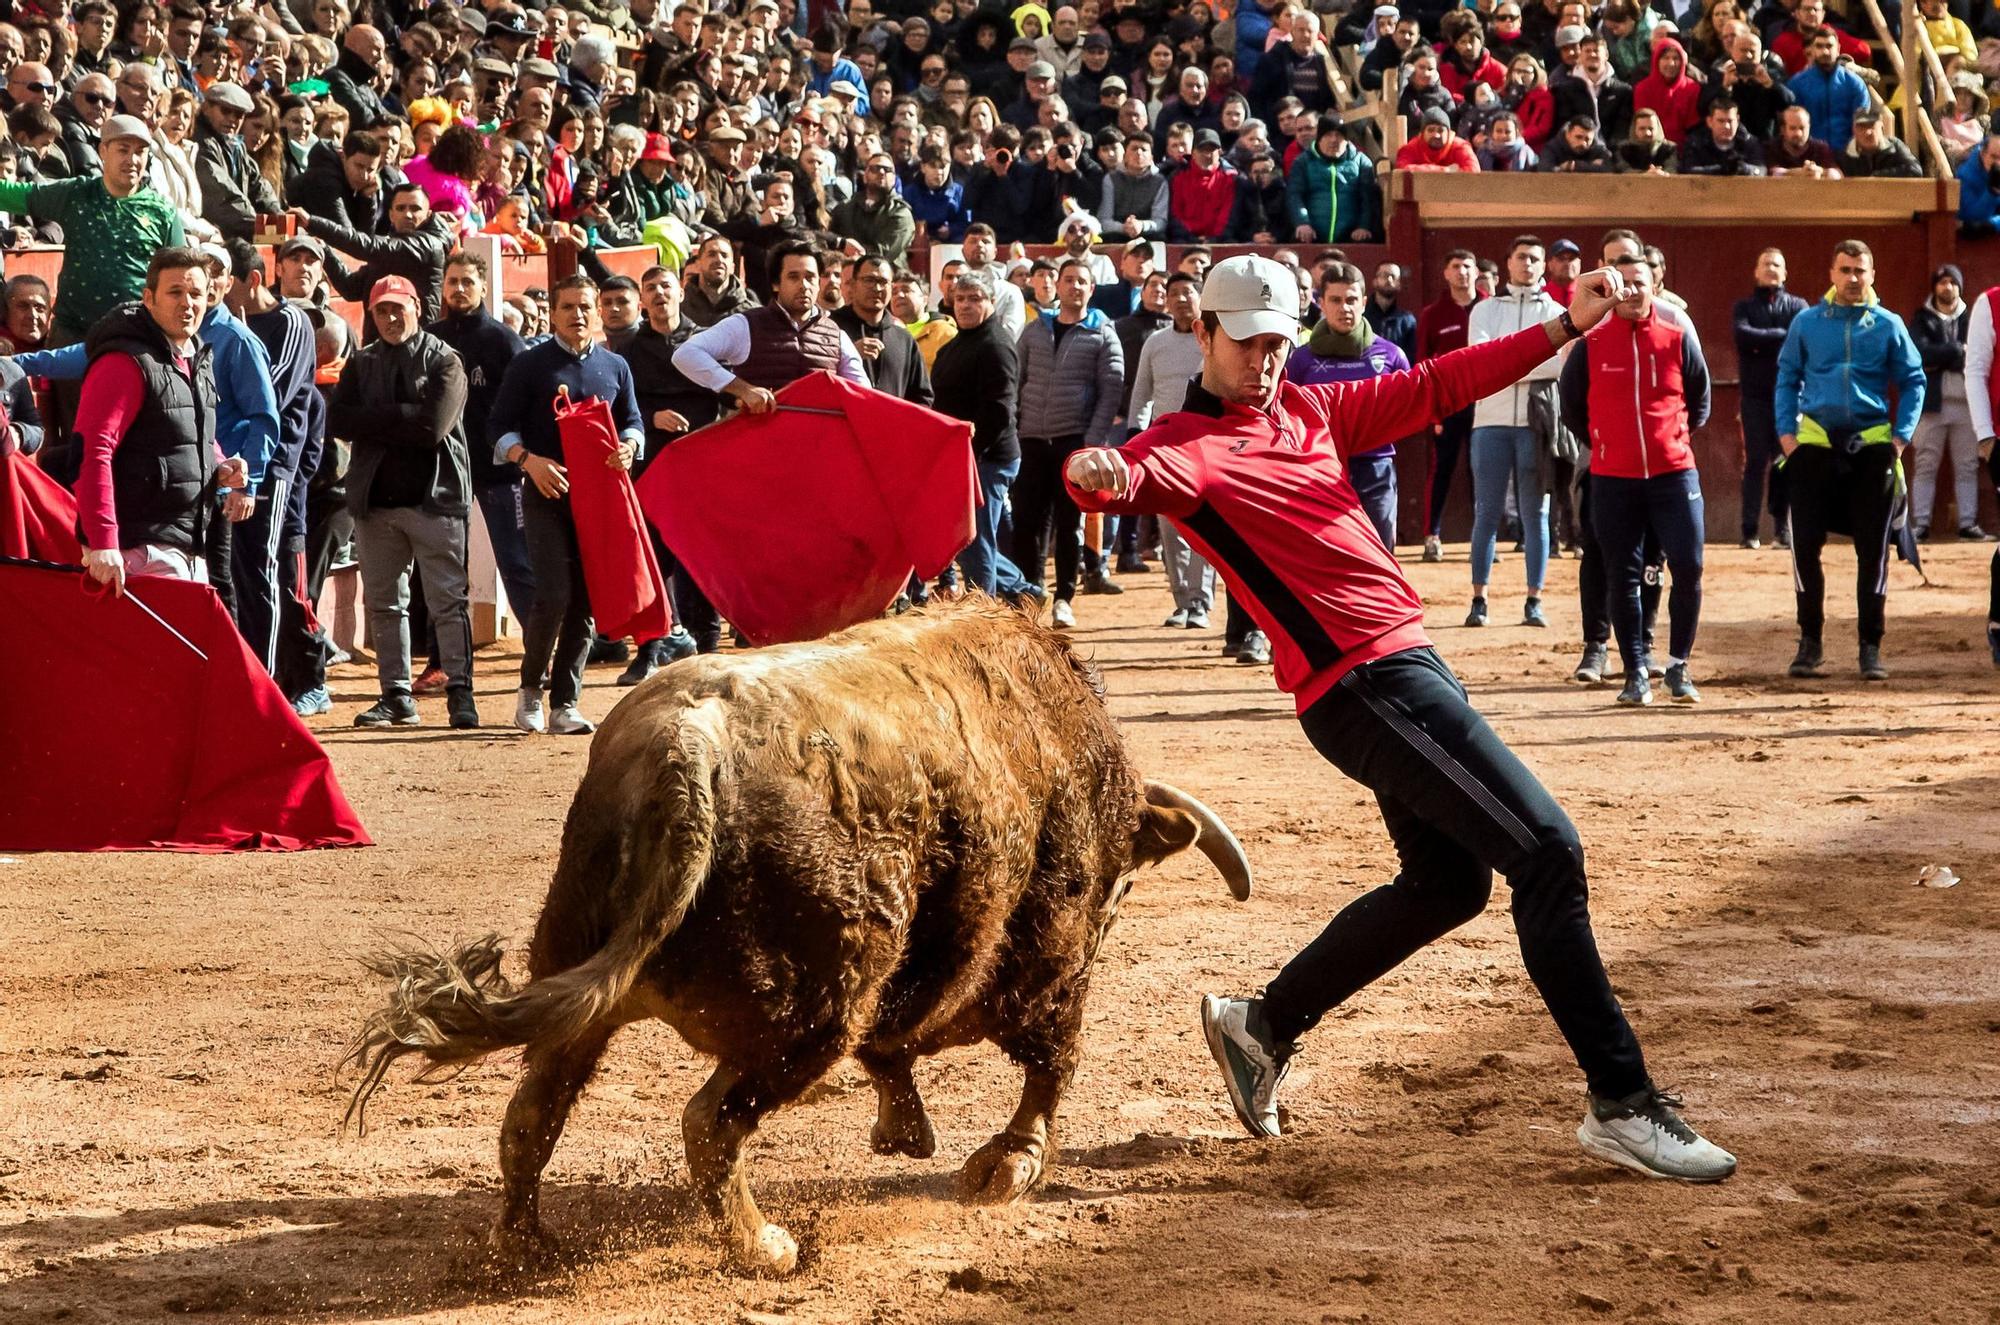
(168, 1109)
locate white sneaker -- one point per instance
(1176, 618)
(1063, 618)
(528, 711)
(1197, 621)
(566, 721)
(1642, 1132)
(1252, 1069)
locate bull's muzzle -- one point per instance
(1215, 840)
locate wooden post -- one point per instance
(1392, 119)
(1912, 78)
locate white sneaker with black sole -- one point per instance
(1642, 1132)
(1251, 1069)
(567, 721)
(1062, 616)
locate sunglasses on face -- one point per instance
(97, 99)
(46, 89)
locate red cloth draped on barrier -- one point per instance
(37, 514)
(797, 524)
(628, 595)
(115, 735)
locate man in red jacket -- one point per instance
(1202, 196)
(1436, 147)
(1253, 472)
(1637, 388)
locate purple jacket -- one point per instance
(1309, 369)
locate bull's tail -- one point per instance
(456, 1007)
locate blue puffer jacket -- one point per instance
(1842, 364)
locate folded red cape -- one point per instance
(37, 514)
(800, 524)
(117, 737)
(628, 595)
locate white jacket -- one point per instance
(1499, 317)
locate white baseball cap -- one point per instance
(1252, 296)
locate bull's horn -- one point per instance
(1216, 841)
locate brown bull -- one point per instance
(905, 838)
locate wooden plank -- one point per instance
(1444, 197)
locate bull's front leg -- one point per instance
(901, 1125)
(1014, 1162)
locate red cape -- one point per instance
(37, 514)
(797, 525)
(620, 572)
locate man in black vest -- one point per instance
(145, 427)
(671, 407)
(748, 356)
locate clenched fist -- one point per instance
(1100, 469)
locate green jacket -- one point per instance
(884, 231)
(118, 235)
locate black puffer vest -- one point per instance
(780, 353)
(162, 465)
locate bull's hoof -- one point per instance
(771, 1254)
(1004, 1169)
(904, 1134)
(522, 1247)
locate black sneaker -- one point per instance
(1099, 583)
(1810, 661)
(1871, 663)
(1993, 640)
(1477, 616)
(644, 663)
(1638, 691)
(1680, 688)
(1590, 668)
(462, 708)
(603, 650)
(678, 645)
(1131, 563)
(1972, 533)
(392, 710)
(1531, 613)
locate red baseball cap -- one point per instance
(396, 287)
(658, 148)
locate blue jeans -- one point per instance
(1622, 510)
(1497, 453)
(506, 530)
(1374, 479)
(986, 567)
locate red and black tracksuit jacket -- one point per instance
(1264, 496)
(1637, 389)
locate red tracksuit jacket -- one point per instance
(1637, 389)
(1265, 498)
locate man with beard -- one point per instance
(1385, 312)
(715, 292)
(889, 352)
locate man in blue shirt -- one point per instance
(1850, 392)
(1830, 92)
(522, 425)
(829, 66)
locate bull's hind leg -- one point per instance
(1013, 1163)
(716, 1124)
(550, 1083)
(901, 1125)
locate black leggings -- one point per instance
(1854, 493)
(1447, 444)
(1040, 500)
(1593, 584)
(1993, 592)
(1666, 509)
(1458, 806)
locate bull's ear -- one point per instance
(1162, 832)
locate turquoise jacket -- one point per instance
(1336, 197)
(1842, 365)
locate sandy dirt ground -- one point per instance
(168, 1106)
